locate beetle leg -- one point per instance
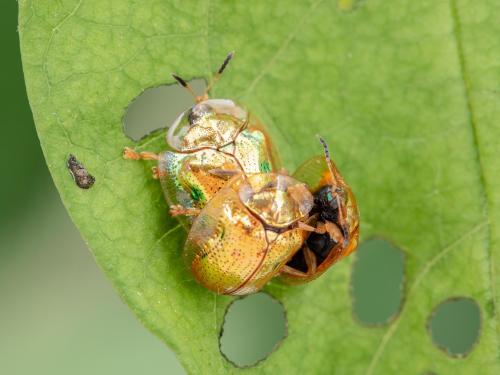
(311, 264)
(342, 221)
(130, 154)
(334, 231)
(177, 209)
(327, 227)
(319, 229)
(306, 227)
(292, 271)
(310, 261)
(224, 173)
(157, 173)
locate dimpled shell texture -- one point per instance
(211, 123)
(229, 249)
(186, 178)
(212, 135)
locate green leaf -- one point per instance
(407, 95)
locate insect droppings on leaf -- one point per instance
(82, 178)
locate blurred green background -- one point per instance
(58, 313)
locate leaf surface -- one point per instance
(407, 95)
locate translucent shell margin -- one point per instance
(230, 248)
(212, 123)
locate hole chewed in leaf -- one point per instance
(83, 179)
(158, 107)
(253, 327)
(454, 326)
(377, 282)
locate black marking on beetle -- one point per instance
(197, 112)
(81, 176)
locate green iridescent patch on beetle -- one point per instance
(265, 167)
(329, 196)
(197, 194)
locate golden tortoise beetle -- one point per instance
(250, 223)
(247, 232)
(335, 217)
(212, 141)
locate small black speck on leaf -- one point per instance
(82, 178)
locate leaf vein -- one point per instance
(475, 138)
(281, 49)
(49, 43)
(161, 238)
(418, 279)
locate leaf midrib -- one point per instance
(457, 33)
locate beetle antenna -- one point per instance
(327, 158)
(186, 85)
(219, 72)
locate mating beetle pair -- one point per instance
(248, 220)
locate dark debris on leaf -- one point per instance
(82, 178)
